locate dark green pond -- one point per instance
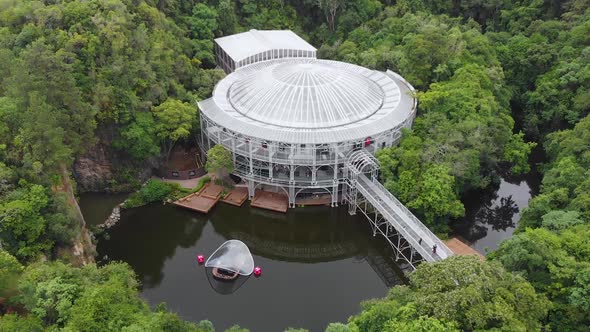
(318, 263)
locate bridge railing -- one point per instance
(442, 250)
(408, 233)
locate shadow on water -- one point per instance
(147, 237)
(492, 215)
(97, 207)
(225, 287)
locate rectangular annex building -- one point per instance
(235, 51)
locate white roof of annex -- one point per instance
(242, 45)
(309, 101)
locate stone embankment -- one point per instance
(113, 218)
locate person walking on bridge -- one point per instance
(434, 249)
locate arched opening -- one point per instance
(324, 173)
(313, 196)
(282, 172)
(361, 161)
(302, 174)
(259, 186)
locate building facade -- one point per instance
(296, 123)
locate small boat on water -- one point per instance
(223, 274)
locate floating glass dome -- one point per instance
(234, 256)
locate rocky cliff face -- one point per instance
(102, 169)
(94, 170)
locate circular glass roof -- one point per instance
(302, 100)
(306, 94)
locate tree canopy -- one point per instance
(495, 78)
(461, 293)
(219, 161)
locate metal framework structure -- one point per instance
(306, 126)
(411, 240)
(292, 121)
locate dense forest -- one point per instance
(118, 80)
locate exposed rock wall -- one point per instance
(102, 169)
(83, 249)
(94, 170)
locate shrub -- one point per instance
(201, 183)
(154, 191)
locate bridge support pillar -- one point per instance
(335, 193)
(291, 196)
(251, 185)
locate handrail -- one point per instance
(440, 244)
(408, 233)
(310, 154)
(442, 250)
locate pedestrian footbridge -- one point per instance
(410, 239)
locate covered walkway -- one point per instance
(411, 240)
(397, 215)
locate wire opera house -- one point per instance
(295, 123)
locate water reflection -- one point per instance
(491, 216)
(225, 287)
(150, 239)
(319, 264)
(292, 237)
(98, 206)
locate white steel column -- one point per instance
(335, 184)
(292, 168)
(292, 196)
(202, 145)
(250, 154)
(251, 192)
(270, 147)
(314, 168)
(233, 147)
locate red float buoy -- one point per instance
(257, 271)
(200, 259)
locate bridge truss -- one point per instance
(411, 241)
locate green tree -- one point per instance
(174, 121)
(21, 222)
(10, 270)
(556, 263)
(219, 161)
(421, 324)
(15, 323)
(203, 21)
(459, 293)
(228, 21)
(337, 327)
(139, 138)
(436, 196)
(330, 8)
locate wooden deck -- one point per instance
(270, 201)
(202, 201)
(461, 248)
(237, 196)
(211, 190)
